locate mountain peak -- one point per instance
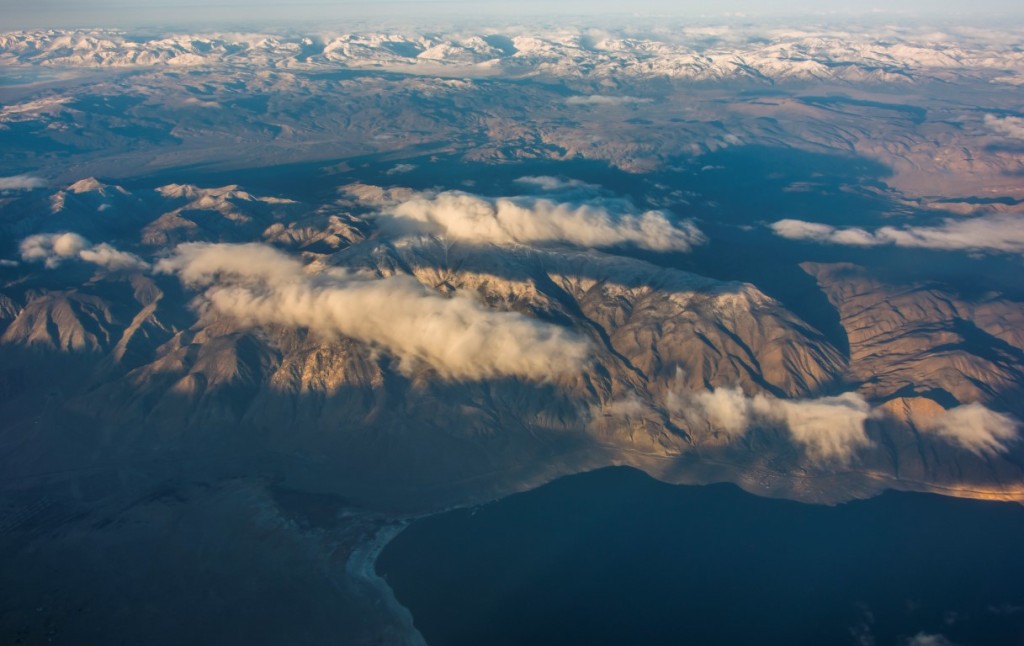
(88, 185)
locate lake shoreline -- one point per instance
(361, 567)
(563, 563)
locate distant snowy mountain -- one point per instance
(777, 56)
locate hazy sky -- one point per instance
(17, 14)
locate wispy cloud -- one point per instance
(458, 337)
(605, 99)
(976, 428)
(1012, 127)
(524, 220)
(398, 169)
(832, 428)
(994, 233)
(928, 639)
(52, 249)
(827, 428)
(21, 183)
(210, 105)
(553, 184)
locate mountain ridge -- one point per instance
(667, 349)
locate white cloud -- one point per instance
(458, 337)
(802, 230)
(20, 183)
(52, 249)
(976, 428)
(927, 639)
(210, 105)
(827, 428)
(726, 409)
(398, 169)
(832, 428)
(1012, 127)
(1002, 232)
(531, 220)
(4, 262)
(604, 99)
(107, 256)
(548, 183)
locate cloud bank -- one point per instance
(828, 428)
(832, 428)
(458, 337)
(1000, 233)
(52, 249)
(20, 183)
(531, 220)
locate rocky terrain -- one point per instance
(174, 337)
(936, 109)
(323, 285)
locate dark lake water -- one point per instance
(615, 557)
